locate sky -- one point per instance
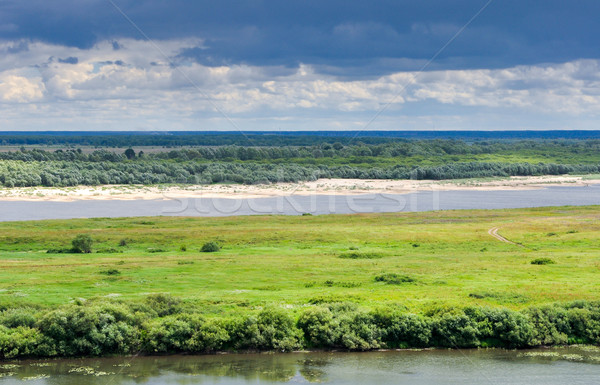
(299, 65)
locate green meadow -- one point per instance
(418, 261)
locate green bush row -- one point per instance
(164, 325)
(17, 173)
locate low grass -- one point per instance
(295, 260)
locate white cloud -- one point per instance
(20, 89)
(136, 86)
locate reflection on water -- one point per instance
(574, 365)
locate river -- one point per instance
(575, 365)
(299, 204)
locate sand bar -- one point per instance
(321, 186)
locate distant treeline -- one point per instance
(428, 159)
(257, 138)
(166, 325)
(570, 149)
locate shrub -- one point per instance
(164, 304)
(400, 330)
(21, 341)
(318, 327)
(89, 330)
(502, 327)
(339, 326)
(16, 317)
(272, 329)
(110, 272)
(109, 251)
(550, 324)
(542, 261)
(210, 247)
(82, 243)
(394, 279)
(454, 331)
(123, 242)
(359, 255)
(184, 333)
(276, 330)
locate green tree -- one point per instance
(82, 243)
(130, 153)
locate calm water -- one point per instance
(556, 366)
(294, 205)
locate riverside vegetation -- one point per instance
(391, 159)
(357, 282)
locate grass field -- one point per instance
(448, 258)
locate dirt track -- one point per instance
(494, 233)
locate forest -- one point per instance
(391, 159)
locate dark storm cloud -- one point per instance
(351, 37)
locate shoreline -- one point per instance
(318, 187)
(258, 352)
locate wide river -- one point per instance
(466, 367)
(299, 204)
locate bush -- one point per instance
(110, 272)
(454, 331)
(400, 330)
(210, 247)
(164, 304)
(394, 279)
(272, 329)
(502, 327)
(542, 261)
(89, 330)
(162, 325)
(339, 326)
(19, 342)
(82, 243)
(16, 317)
(359, 255)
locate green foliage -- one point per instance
(21, 341)
(164, 304)
(543, 261)
(394, 278)
(89, 330)
(210, 247)
(106, 328)
(360, 255)
(339, 326)
(82, 243)
(382, 159)
(454, 331)
(110, 272)
(402, 330)
(129, 153)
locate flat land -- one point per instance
(450, 257)
(319, 187)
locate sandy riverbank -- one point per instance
(321, 186)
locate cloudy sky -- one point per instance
(299, 64)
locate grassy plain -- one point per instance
(293, 261)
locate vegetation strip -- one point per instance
(392, 159)
(164, 285)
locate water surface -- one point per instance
(299, 204)
(467, 367)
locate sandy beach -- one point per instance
(321, 186)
